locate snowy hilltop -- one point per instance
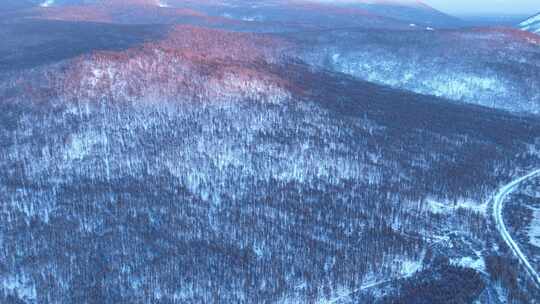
(532, 24)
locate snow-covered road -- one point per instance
(498, 204)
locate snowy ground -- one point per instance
(437, 207)
(476, 263)
(534, 229)
(47, 3)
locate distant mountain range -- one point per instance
(308, 13)
(532, 24)
(406, 10)
(371, 13)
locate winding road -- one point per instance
(498, 204)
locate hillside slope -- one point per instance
(500, 71)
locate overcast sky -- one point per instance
(461, 7)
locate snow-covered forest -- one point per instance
(181, 163)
